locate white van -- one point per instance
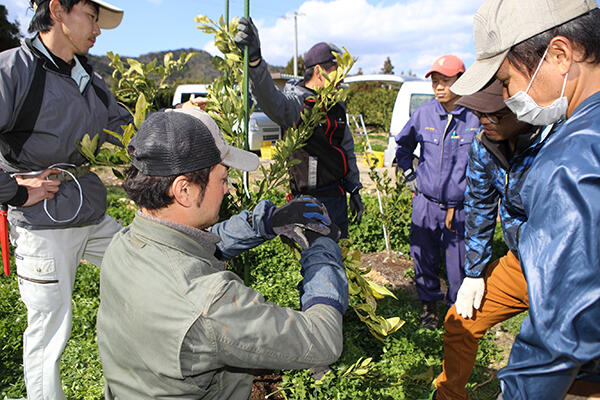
(184, 92)
(411, 95)
(260, 128)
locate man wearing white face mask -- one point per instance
(547, 55)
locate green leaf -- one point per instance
(140, 110)
(381, 290)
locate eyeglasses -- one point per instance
(494, 118)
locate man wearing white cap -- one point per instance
(547, 55)
(49, 99)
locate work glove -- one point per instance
(303, 220)
(410, 180)
(469, 296)
(357, 207)
(247, 35)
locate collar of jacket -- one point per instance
(501, 150)
(196, 242)
(459, 111)
(50, 64)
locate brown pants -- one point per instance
(506, 296)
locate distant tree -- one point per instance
(360, 71)
(387, 68)
(289, 68)
(9, 31)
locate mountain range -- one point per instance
(198, 70)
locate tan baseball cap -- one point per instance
(500, 24)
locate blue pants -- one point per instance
(428, 238)
(338, 212)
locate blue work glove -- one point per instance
(325, 280)
(247, 35)
(303, 220)
(357, 207)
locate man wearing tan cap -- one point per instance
(49, 98)
(546, 53)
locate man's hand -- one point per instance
(357, 207)
(410, 180)
(469, 296)
(194, 103)
(303, 220)
(38, 188)
(247, 35)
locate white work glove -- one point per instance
(469, 296)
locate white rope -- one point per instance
(57, 166)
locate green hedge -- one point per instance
(374, 103)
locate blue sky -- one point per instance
(413, 33)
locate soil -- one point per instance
(264, 385)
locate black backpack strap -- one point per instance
(102, 95)
(11, 142)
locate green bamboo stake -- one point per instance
(246, 118)
(246, 114)
(226, 20)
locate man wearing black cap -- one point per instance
(492, 291)
(173, 323)
(49, 99)
(327, 168)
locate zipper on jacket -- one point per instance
(442, 154)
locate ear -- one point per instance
(56, 10)
(183, 191)
(561, 53)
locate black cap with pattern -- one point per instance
(176, 142)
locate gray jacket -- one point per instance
(174, 324)
(43, 114)
(285, 107)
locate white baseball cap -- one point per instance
(109, 16)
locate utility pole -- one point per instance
(296, 15)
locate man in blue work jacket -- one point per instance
(444, 132)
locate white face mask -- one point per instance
(527, 109)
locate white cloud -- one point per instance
(412, 33)
(19, 10)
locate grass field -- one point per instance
(402, 367)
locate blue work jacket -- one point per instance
(559, 249)
(494, 176)
(445, 138)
